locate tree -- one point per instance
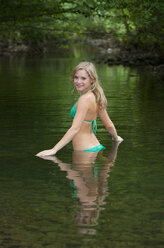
(140, 23)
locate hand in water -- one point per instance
(46, 153)
(118, 139)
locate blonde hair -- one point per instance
(95, 85)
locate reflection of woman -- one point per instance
(89, 181)
(92, 102)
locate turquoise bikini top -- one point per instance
(94, 123)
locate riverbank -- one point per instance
(113, 54)
(32, 49)
(15, 49)
(108, 52)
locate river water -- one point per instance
(110, 199)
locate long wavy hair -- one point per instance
(95, 85)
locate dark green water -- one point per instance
(115, 199)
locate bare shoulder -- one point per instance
(88, 97)
(87, 102)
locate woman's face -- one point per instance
(82, 81)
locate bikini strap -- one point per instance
(94, 127)
(83, 93)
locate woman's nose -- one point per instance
(78, 80)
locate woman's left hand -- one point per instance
(46, 153)
(117, 139)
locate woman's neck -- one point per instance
(83, 92)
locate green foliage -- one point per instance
(137, 22)
(37, 21)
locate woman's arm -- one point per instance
(109, 124)
(70, 134)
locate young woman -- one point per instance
(91, 103)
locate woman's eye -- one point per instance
(83, 78)
(75, 77)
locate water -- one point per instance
(113, 199)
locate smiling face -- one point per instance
(82, 81)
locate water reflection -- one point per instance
(88, 177)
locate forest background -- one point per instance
(120, 27)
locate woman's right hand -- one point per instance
(46, 153)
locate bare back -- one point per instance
(85, 139)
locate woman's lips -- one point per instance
(79, 85)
